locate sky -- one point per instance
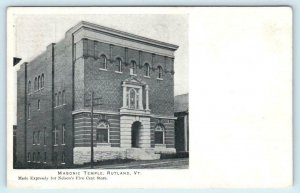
(33, 32)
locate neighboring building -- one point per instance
(182, 123)
(14, 144)
(132, 78)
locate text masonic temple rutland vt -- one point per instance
(131, 79)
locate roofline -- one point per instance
(123, 34)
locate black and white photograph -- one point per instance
(100, 97)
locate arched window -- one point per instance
(103, 62)
(39, 79)
(29, 86)
(160, 71)
(29, 111)
(102, 133)
(119, 65)
(133, 68)
(147, 70)
(132, 97)
(35, 83)
(38, 137)
(42, 81)
(159, 134)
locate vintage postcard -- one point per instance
(144, 97)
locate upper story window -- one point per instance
(160, 72)
(38, 83)
(133, 68)
(29, 87)
(35, 83)
(42, 81)
(33, 138)
(103, 62)
(102, 133)
(28, 157)
(133, 98)
(58, 98)
(159, 134)
(119, 65)
(147, 70)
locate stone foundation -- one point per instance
(83, 154)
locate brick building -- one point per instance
(132, 78)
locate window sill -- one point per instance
(60, 106)
(55, 145)
(103, 69)
(44, 162)
(146, 76)
(159, 79)
(133, 74)
(118, 72)
(63, 163)
(63, 144)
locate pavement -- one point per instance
(178, 163)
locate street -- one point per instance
(179, 163)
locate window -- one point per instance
(28, 157)
(42, 81)
(133, 98)
(29, 87)
(160, 72)
(45, 157)
(44, 136)
(38, 137)
(103, 62)
(147, 70)
(58, 98)
(29, 112)
(63, 158)
(39, 102)
(39, 79)
(63, 97)
(33, 138)
(133, 68)
(35, 83)
(63, 134)
(159, 134)
(33, 157)
(55, 136)
(102, 133)
(38, 157)
(119, 62)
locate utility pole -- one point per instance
(92, 104)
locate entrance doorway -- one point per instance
(135, 132)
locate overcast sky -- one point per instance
(35, 32)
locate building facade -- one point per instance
(182, 123)
(132, 81)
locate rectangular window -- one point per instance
(29, 112)
(63, 97)
(38, 138)
(63, 158)
(102, 135)
(28, 157)
(33, 138)
(63, 134)
(159, 137)
(38, 157)
(39, 102)
(44, 136)
(45, 157)
(56, 101)
(55, 136)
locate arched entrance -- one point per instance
(135, 132)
